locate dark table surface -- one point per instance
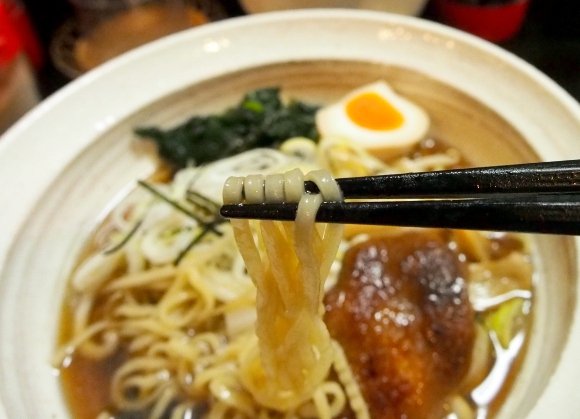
(549, 39)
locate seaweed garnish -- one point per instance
(260, 119)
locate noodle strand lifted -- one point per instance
(289, 267)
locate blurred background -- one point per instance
(46, 44)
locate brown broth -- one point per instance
(86, 384)
(433, 145)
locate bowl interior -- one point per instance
(31, 293)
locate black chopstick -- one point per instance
(532, 198)
(547, 177)
(545, 213)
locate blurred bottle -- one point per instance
(18, 92)
(21, 24)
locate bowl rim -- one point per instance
(14, 143)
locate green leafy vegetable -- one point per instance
(259, 120)
(506, 320)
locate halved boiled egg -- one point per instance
(376, 118)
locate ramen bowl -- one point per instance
(69, 161)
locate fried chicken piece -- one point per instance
(401, 312)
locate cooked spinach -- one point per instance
(261, 119)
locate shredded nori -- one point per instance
(201, 203)
(261, 119)
(179, 207)
(125, 239)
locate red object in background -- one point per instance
(495, 23)
(10, 43)
(14, 22)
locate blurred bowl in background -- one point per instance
(104, 29)
(110, 27)
(403, 7)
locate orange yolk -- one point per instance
(371, 111)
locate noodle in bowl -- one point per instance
(451, 100)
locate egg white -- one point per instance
(333, 121)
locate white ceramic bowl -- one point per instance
(65, 163)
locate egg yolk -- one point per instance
(370, 110)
